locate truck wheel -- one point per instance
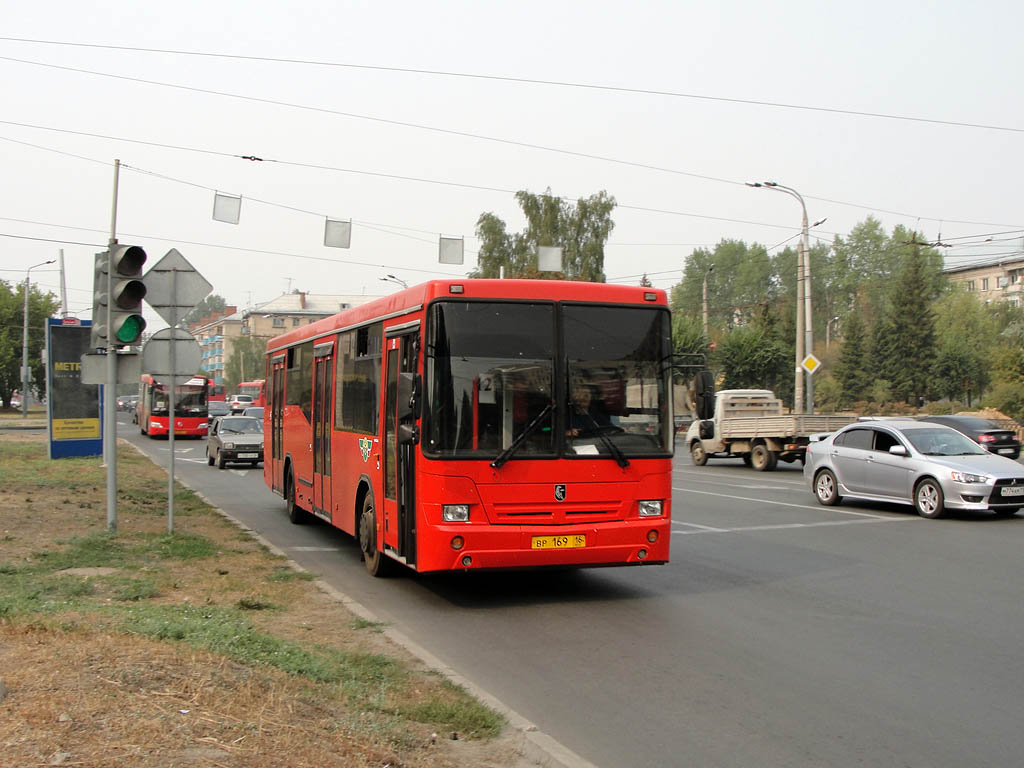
(762, 458)
(697, 453)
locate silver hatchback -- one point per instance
(234, 439)
(929, 466)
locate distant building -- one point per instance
(216, 334)
(994, 280)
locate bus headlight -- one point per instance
(455, 513)
(650, 508)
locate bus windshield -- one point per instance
(191, 400)
(498, 374)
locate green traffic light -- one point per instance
(131, 329)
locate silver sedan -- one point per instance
(930, 466)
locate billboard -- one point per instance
(74, 417)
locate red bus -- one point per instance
(217, 392)
(257, 389)
(190, 407)
(478, 424)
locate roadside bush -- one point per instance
(943, 407)
(1007, 397)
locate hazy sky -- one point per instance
(409, 156)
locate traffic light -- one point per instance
(126, 293)
(117, 283)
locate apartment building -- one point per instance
(995, 280)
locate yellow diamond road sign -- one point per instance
(811, 363)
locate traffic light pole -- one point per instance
(110, 390)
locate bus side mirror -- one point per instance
(705, 391)
(408, 434)
(409, 385)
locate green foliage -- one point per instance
(246, 362)
(828, 393)
(12, 322)
(208, 306)
(581, 229)
(1008, 397)
(750, 357)
(853, 374)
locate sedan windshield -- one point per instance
(933, 441)
(243, 425)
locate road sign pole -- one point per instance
(170, 422)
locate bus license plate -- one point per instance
(574, 541)
(1016, 491)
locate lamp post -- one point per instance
(828, 329)
(708, 271)
(804, 326)
(393, 279)
(24, 342)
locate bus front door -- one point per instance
(399, 451)
(276, 424)
(323, 398)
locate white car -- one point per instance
(239, 403)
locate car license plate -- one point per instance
(248, 455)
(573, 541)
(1015, 491)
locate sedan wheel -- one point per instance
(826, 488)
(928, 499)
(209, 456)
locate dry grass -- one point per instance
(201, 649)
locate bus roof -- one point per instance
(417, 297)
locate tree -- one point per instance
(750, 358)
(965, 339)
(208, 306)
(581, 230)
(853, 374)
(246, 362)
(12, 313)
(912, 343)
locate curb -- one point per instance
(533, 744)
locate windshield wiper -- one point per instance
(613, 449)
(506, 454)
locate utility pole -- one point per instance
(707, 272)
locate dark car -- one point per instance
(235, 439)
(256, 412)
(989, 434)
(217, 408)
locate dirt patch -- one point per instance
(85, 686)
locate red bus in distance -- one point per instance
(190, 407)
(256, 389)
(481, 424)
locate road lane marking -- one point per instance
(703, 528)
(782, 503)
(782, 526)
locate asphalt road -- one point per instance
(782, 633)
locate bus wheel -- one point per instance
(295, 513)
(376, 563)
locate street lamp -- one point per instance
(393, 279)
(828, 329)
(803, 296)
(708, 271)
(24, 342)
